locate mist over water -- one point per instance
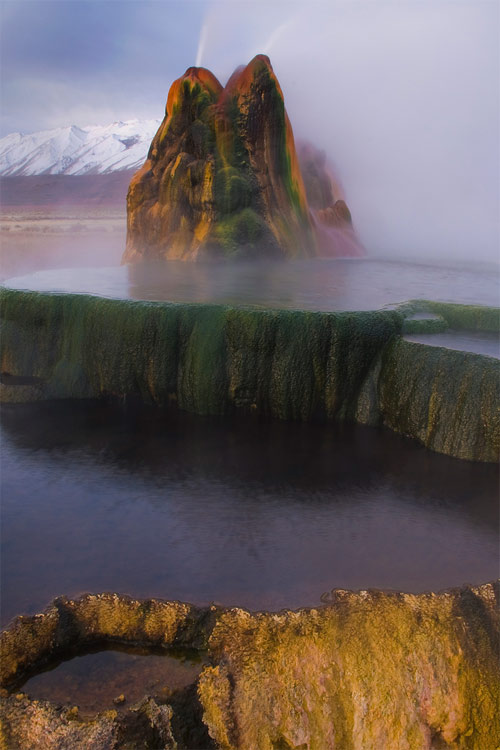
(337, 284)
(404, 100)
(403, 97)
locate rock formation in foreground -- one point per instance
(222, 178)
(368, 670)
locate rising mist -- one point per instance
(404, 100)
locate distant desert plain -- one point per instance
(53, 221)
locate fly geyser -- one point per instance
(222, 178)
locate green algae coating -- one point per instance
(449, 400)
(468, 317)
(222, 179)
(210, 359)
(286, 364)
(243, 233)
(425, 325)
(458, 317)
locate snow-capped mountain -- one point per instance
(97, 149)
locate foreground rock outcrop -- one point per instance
(222, 177)
(285, 364)
(368, 670)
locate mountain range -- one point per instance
(97, 149)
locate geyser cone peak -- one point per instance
(222, 178)
(247, 75)
(193, 77)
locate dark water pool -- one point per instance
(338, 284)
(113, 679)
(262, 515)
(480, 342)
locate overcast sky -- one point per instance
(403, 95)
(68, 61)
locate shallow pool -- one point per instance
(114, 678)
(338, 284)
(241, 512)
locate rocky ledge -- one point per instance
(366, 670)
(284, 364)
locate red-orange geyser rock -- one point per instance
(223, 179)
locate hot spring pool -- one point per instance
(243, 512)
(114, 678)
(339, 284)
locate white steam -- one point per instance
(202, 43)
(404, 99)
(278, 33)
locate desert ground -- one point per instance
(55, 221)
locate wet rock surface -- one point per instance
(286, 364)
(27, 723)
(454, 406)
(368, 669)
(446, 398)
(487, 344)
(17, 389)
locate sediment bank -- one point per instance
(368, 669)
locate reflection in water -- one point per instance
(245, 512)
(479, 342)
(101, 680)
(334, 284)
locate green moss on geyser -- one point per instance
(211, 359)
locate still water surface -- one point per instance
(94, 681)
(257, 514)
(338, 284)
(479, 342)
